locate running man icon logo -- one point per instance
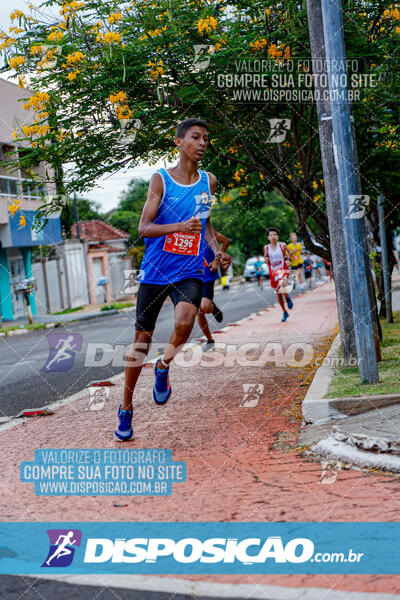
(130, 285)
(263, 14)
(62, 547)
(251, 394)
(98, 397)
(62, 351)
(49, 52)
(329, 472)
(203, 205)
(286, 281)
(279, 129)
(129, 129)
(203, 53)
(357, 206)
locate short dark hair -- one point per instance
(272, 229)
(186, 124)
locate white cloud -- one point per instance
(109, 188)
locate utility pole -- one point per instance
(332, 17)
(364, 233)
(333, 209)
(385, 259)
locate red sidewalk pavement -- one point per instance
(242, 462)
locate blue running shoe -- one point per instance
(289, 302)
(285, 317)
(124, 431)
(162, 388)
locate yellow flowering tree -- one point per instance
(110, 80)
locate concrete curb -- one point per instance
(316, 408)
(334, 449)
(176, 586)
(346, 407)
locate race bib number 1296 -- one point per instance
(187, 244)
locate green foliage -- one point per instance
(375, 263)
(88, 210)
(67, 310)
(140, 63)
(116, 305)
(136, 252)
(246, 227)
(347, 379)
(127, 214)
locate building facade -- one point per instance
(107, 259)
(16, 242)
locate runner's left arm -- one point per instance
(224, 243)
(223, 240)
(223, 258)
(210, 234)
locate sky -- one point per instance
(108, 189)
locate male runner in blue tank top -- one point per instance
(175, 224)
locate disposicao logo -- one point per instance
(189, 550)
(62, 547)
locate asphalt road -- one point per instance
(25, 382)
(14, 587)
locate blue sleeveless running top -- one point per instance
(208, 258)
(178, 255)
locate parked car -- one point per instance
(250, 270)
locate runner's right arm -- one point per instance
(147, 227)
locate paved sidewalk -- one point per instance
(242, 462)
(360, 430)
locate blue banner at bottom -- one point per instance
(200, 548)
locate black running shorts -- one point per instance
(151, 297)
